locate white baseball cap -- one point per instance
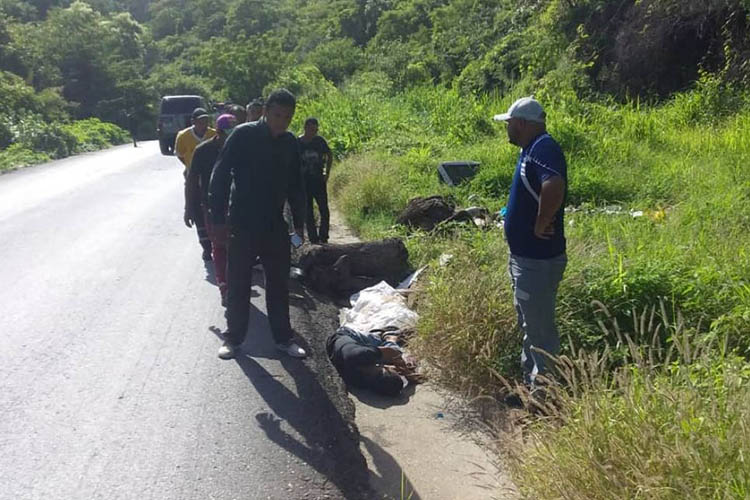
(526, 108)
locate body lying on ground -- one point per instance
(371, 361)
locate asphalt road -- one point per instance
(109, 382)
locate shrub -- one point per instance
(17, 155)
(93, 134)
(659, 424)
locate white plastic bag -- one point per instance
(378, 307)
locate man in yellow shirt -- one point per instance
(185, 143)
(188, 139)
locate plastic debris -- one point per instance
(409, 280)
(378, 307)
(444, 259)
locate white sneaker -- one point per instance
(227, 351)
(292, 349)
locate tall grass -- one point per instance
(646, 418)
(635, 420)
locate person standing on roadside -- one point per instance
(132, 118)
(316, 167)
(259, 169)
(239, 112)
(196, 193)
(255, 110)
(184, 146)
(534, 229)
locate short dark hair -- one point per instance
(384, 382)
(255, 103)
(311, 121)
(281, 97)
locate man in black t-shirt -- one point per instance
(316, 166)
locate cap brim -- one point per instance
(502, 117)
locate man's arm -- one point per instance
(179, 150)
(550, 200)
(296, 192)
(328, 159)
(353, 354)
(221, 179)
(192, 194)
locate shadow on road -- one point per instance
(389, 478)
(325, 440)
(377, 401)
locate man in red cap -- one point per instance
(196, 194)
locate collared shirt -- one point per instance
(262, 172)
(539, 161)
(187, 141)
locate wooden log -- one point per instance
(426, 213)
(385, 258)
(348, 268)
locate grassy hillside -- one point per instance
(675, 276)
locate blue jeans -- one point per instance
(535, 283)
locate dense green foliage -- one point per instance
(681, 164)
(106, 58)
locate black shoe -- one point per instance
(207, 255)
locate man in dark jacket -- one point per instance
(260, 164)
(196, 193)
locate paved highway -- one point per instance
(109, 382)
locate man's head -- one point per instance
(199, 118)
(280, 108)
(254, 110)
(311, 127)
(383, 380)
(224, 125)
(525, 119)
(238, 112)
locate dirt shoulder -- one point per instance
(424, 445)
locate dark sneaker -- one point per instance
(292, 349)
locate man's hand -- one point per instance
(189, 221)
(221, 234)
(392, 356)
(544, 230)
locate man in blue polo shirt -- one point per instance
(535, 231)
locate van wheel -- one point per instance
(165, 148)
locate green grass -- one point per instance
(683, 163)
(661, 424)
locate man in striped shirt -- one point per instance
(535, 231)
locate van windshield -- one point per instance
(181, 105)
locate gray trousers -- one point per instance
(535, 283)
